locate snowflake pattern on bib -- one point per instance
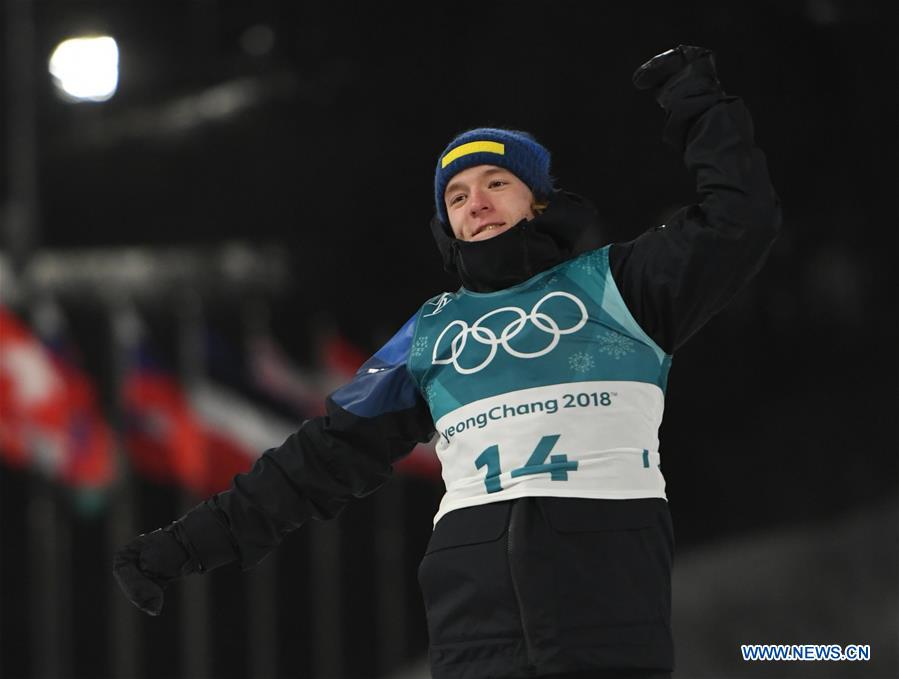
(581, 362)
(419, 347)
(615, 345)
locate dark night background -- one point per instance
(780, 413)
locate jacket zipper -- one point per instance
(524, 627)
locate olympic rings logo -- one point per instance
(487, 337)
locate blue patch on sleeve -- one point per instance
(396, 350)
(383, 384)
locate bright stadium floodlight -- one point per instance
(86, 69)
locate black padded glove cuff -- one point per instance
(695, 79)
(656, 73)
(206, 538)
(684, 81)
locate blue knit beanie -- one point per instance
(514, 150)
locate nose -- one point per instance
(478, 201)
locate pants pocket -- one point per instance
(464, 578)
(614, 560)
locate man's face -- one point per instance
(485, 200)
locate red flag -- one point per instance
(32, 394)
(49, 415)
(237, 431)
(199, 436)
(91, 457)
(164, 438)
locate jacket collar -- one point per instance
(567, 228)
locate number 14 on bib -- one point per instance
(558, 466)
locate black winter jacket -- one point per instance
(537, 586)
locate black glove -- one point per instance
(665, 73)
(685, 83)
(148, 564)
(198, 542)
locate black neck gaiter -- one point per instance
(567, 228)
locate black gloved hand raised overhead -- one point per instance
(146, 565)
(665, 71)
(684, 82)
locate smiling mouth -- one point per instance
(489, 227)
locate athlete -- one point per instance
(543, 377)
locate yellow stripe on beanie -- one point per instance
(473, 147)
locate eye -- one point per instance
(496, 182)
(455, 199)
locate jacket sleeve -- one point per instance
(675, 277)
(348, 453)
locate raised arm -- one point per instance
(371, 422)
(676, 276)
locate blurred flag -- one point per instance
(273, 371)
(198, 435)
(247, 403)
(236, 431)
(32, 398)
(165, 440)
(49, 414)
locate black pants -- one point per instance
(569, 588)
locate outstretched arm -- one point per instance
(371, 423)
(675, 277)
